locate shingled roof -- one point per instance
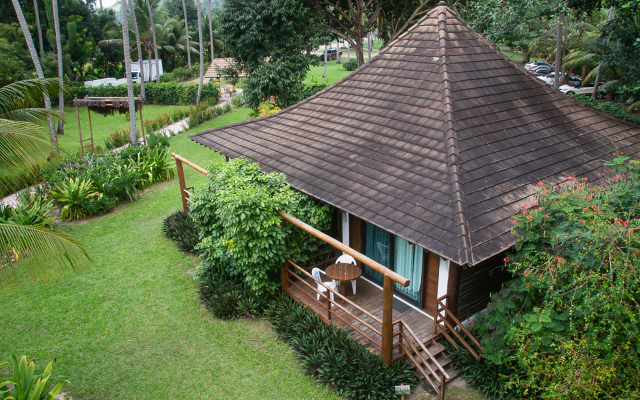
(439, 140)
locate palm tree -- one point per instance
(186, 27)
(37, 13)
(210, 29)
(133, 132)
(44, 252)
(201, 80)
(56, 27)
(36, 62)
(143, 93)
(155, 42)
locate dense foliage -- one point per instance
(331, 356)
(567, 326)
(182, 229)
(228, 297)
(609, 107)
(271, 40)
(241, 233)
(171, 93)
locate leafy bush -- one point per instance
(27, 385)
(240, 230)
(229, 298)
(179, 74)
(204, 112)
(157, 140)
(31, 209)
(332, 357)
(116, 139)
(568, 324)
(311, 89)
(182, 229)
(172, 93)
(608, 107)
(237, 101)
(73, 197)
(351, 65)
(11, 183)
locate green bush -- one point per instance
(157, 139)
(567, 326)
(73, 196)
(30, 209)
(182, 229)
(311, 89)
(608, 107)
(240, 229)
(351, 65)
(27, 385)
(171, 93)
(228, 297)
(332, 357)
(116, 139)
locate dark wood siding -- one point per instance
(478, 282)
(355, 233)
(430, 283)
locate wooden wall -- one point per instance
(430, 282)
(478, 282)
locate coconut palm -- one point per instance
(143, 92)
(186, 26)
(34, 251)
(36, 62)
(210, 29)
(201, 80)
(155, 42)
(56, 27)
(133, 132)
(37, 13)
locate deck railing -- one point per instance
(449, 325)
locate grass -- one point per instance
(513, 55)
(132, 327)
(335, 72)
(102, 126)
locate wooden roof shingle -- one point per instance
(439, 140)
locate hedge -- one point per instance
(170, 93)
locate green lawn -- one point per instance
(132, 327)
(335, 72)
(514, 56)
(102, 126)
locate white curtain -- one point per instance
(408, 263)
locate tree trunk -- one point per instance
(324, 75)
(594, 94)
(133, 130)
(36, 62)
(348, 51)
(338, 52)
(37, 13)
(556, 76)
(155, 43)
(101, 4)
(56, 27)
(369, 37)
(200, 81)
(143, 93)
(210, 30)
(186, 27)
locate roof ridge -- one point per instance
(461, 225)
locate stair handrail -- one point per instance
(440, 306)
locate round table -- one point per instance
(344, 273)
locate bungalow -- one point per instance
(427, 151)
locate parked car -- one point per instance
(586, 89)
(549, 79)
(332, 54)
(530, 65)
(542, 70)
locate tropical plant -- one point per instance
(138, 48)
(23, 146)
(351, 65)
(27, 385)
(182, 229)
(56, 24)
(31, 209)
(201, 47)
(133, 132)
(73, 196)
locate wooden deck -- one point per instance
(368, 297)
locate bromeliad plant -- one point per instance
(72, 197)
(27, 385)
(568, 324)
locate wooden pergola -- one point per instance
(106, 106)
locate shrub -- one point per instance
(239, 226)
(237, 101)
(608, 107)
(332, 357)
(73, 197)
(351, 65)
(157, 140)
(172, 93)
(229, 298)
(311, 89)
(568, 324)
(27, 385)
(182, 229)
(31, 209)
(116, 139)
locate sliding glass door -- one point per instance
(396, 254)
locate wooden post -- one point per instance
(400, 325)
(144, 139)
(443, 388)
(387, 316)
(90, 126)
(328, 305)
(283, 278)
(79, 130)
(183, 186)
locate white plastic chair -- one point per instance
(316, 274)
(347, 259)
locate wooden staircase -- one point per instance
(432, 364)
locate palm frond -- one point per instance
(110, 43)
(38, 254)
(26, 94)
(34, 115)
(23, 144)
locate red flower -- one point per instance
(618, 176)
(571, 178)
(545, 191)
(561, 185)
(585, 179)
(560, 260)
(507, 259)
(535, 203)
(514, 222)
(545, 217)
(594, 207)
(540, 184)
(529, 217)
(525, 205)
